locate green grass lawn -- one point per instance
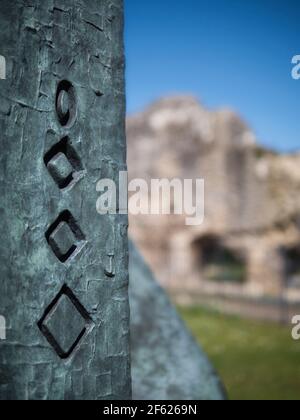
(256, 360)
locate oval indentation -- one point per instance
(66, 103)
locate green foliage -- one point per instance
(256, 360)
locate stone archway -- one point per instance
(291, 265)
(215, 261)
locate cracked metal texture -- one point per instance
(62, 119)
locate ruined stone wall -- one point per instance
(252, 200)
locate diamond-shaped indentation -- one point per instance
(65, 237)
(61, 169)
(64, 164)
(65, 322)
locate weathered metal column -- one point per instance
(63, 267)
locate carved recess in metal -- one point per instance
(64, 164)
(62, 337)
(63, 268)
(66, 103)
(110, 265)
(64, 236)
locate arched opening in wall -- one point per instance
(291, 264)
(217, 262)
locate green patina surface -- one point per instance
(62, 117)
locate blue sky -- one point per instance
(232, 53)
